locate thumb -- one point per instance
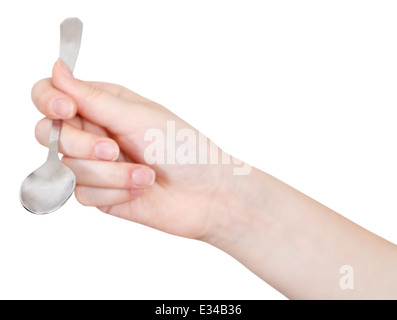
(93, 103)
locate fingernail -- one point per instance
(65, 69)
(106, 151)
(143, 177)
(63, 108)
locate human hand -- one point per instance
(279, 233)
(103, 142)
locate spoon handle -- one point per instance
(54, 140)
(71, 31)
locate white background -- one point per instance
(304, 90)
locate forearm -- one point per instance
(298, 246)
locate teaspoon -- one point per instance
(50, 186)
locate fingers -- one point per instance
(57, 105)
(77, 143)
(91, 110)
(118, 91)
(52, 102)
(104, 104)
(96, 104)
(101, 183)
(99, 197)
(110, 106)
(110, 175)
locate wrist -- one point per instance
(237, 209)
(244, 224)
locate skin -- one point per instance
(292, 242)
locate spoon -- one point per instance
(50, 186)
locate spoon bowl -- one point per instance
(47, 188)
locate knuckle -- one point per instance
(92, 92)
(120, 91)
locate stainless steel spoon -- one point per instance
(50, 186)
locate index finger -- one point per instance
(52, 102)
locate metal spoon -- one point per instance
(50, 186)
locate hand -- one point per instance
(289, 240)
(103, 142)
